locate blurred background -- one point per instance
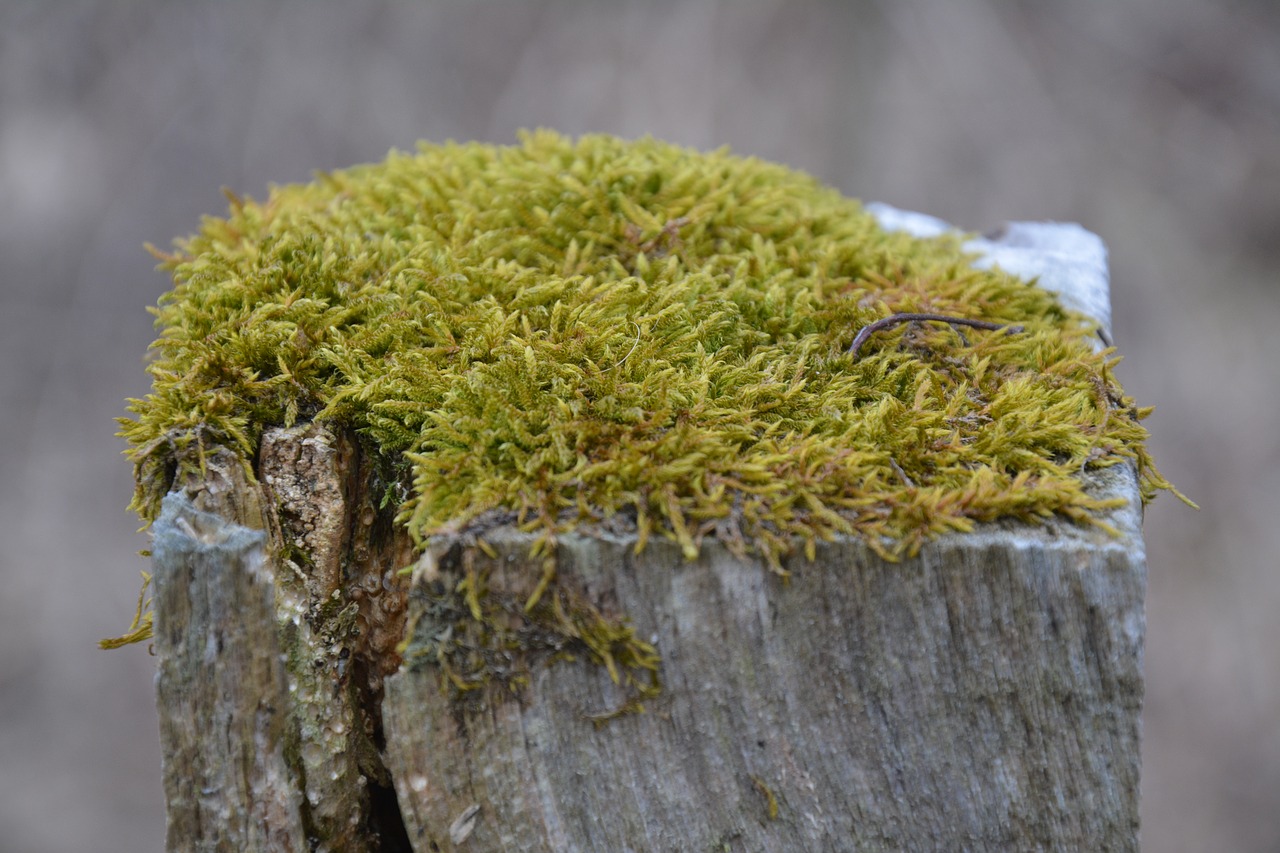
(1155, 123)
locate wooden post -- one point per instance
(983, 694)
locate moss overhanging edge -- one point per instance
(589, 330)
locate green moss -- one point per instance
(574, 331)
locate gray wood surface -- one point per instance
(221, 689)
(982, 696)
(273, 597)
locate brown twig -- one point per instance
(902, 475)
(897, 319)
(671, 231)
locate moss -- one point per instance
(601, 331)
(485, 640)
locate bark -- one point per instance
(277, 613)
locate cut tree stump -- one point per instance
(982, 695)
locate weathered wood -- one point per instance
(277, 650)
(983, 695)
(222, 690)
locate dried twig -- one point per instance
(670, 231)
(902, 475)
(896, 319)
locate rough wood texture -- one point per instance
(277, 614)
(221, 689)
(984, 695)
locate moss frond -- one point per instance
(141, 629)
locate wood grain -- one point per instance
(982, 695)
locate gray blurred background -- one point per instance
(1155, 123)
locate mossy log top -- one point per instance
(475, 355)
(631, 333)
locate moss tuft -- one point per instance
(594, 330)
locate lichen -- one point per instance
(603, 331)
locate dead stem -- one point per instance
(897, 319)
(902, 475)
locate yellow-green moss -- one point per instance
(577, 330)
